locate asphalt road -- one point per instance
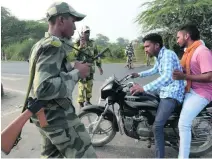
(15, 81)
(21, 68)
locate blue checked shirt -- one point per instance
(166, 62)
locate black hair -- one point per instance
(52, 20)
(155, 38)
(192, 30)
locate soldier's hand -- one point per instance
(82, 42)
(84, 69)
(101, 71)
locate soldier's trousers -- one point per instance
(84, 90)
(65, 135)
(129, 59)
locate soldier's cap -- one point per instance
(85, 28)
(58, 8)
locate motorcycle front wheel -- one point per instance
(105, 131)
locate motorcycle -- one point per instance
(135, 117)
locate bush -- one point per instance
(116, 52)
(139, 53)
(20, 50)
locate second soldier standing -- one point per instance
(90, 50)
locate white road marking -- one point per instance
(11, 78)
(14, 90)
(14, 74)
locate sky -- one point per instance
(112, 18)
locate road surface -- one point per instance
(15, 81)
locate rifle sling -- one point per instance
(32, 75)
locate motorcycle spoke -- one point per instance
(90, 121)
(105, 131)
(102, 126)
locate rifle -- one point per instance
(96, 57)
(11, 135)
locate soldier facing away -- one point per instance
(129, 51)
(54, 81)
(89, 48)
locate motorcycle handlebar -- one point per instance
(125, 78)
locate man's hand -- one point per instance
(178, 75)
(84, 69)
(135, 75)
(101, 71)
(136, 89)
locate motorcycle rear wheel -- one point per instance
(206, 147)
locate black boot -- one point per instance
(88, 102)
(81, 104)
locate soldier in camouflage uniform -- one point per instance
(54, 81)
(85, 85)
(129, 52)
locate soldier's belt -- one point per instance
(86, 79)
(62, 102)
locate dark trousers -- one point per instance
(165, 109)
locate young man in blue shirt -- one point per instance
(171, 91)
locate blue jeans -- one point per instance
(165, 109)
(192, 106)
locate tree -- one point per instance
(140, 39)
(117, 51)
(18, 36)
(14, 30)
(168, 15)
(8, 22)
(5, 13)
(35, 29)
(102, 40)
(122, 42)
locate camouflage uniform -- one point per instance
(85, 85)
(129, 53)
(55, 79)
